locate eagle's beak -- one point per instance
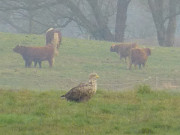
(97, 76)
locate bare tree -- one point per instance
(27, 16)
(97, 24)
(93, 19)
(92, 16)
(164, 14)
(121, 17)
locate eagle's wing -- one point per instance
(79, 92)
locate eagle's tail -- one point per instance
(63, 97)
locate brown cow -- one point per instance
(36, 54)
(53, 37)
(139, 56)
(123, 49)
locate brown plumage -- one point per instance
(36, 54)
(139, 56)
(123, 49)
(84, 91)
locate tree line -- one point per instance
(102, 19)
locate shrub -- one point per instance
(146, 131)
(143, 89)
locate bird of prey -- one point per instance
(84, 91)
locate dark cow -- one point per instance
(36, 54)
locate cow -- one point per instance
(139, 56)
(123, 49)
(53, 37)
(36, 54)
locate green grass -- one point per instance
(77, 58)
(30, 101)
(26, 112)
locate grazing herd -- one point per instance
(137, 56)
(131, 51)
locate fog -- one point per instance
(110, 20)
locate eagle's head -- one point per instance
(92, 81)
(93, 76)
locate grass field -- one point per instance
(77, 58)
(30, 101)
(135, 112)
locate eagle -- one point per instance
(84, 91)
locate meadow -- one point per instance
(127, 102)
(135, 112)
(77, 59)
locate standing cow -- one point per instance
(139, 56)
(53, 37)
(36, 54)
(123, 49)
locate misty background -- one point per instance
(149, 22)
